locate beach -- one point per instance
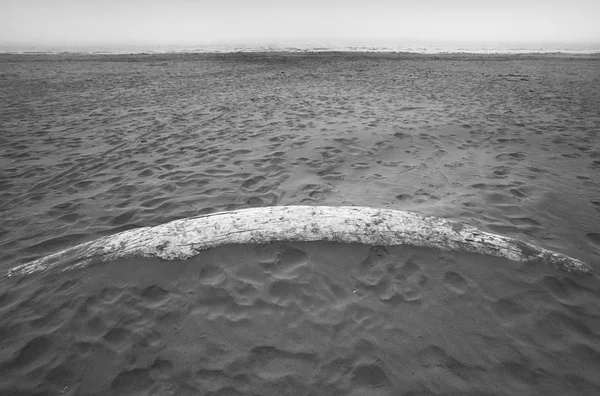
(97, 144)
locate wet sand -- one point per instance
(92, 145)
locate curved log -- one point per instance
(182, 239)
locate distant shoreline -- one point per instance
(417, 48)
(7, 56)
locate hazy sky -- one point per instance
(44, 22)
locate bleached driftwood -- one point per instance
(182, 239)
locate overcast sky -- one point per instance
(55, 22)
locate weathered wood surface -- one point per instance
(182, 239)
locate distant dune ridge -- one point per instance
(446, 150)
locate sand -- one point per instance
(304, 319)
(93, 145)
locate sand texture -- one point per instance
(96, 145)
(308, 318)
(185, 238)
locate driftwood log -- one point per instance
(182, 239)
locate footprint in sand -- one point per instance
(374, 273)
(267, 253)
(500, 172)
(96, 326)
(281, 292)
(242, 292)
(555, 331)
(593, 238)
(60, 375)
(131, 381)
(511, 156)
(407, 285)
(153, 293)
(252, 182)
(370, 379)
(281, 260)
(432, 357)
(402, 135)
(219, 382)
(455, 282)
(118, 336)
(508, 311)
(523, 221)
(290, 259)
(256, 202)
(404, 197)
(36, 351)
(211, 275)
(519, 193)
(360, 165)
(272, 364)
(564, 290)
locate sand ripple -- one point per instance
(96, 145)
(302, 318)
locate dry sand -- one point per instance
(92, 145)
